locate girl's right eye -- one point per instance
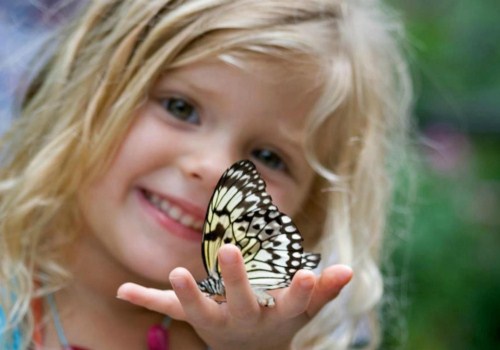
(181, 109)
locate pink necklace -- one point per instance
(157, 336)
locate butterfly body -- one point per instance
(213, 286)
(241, 213)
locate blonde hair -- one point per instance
(80, 106)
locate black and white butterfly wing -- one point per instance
(271, 247)
(240, 190)
(241, 212)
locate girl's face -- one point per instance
(146, 212)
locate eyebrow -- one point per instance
(186, 83)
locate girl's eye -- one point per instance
(181, 109)
(269, 158)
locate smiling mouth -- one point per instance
(172, 211)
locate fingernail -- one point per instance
(228, 256)
(345, 274)
(121, 291)
(307, 283)
(178, 283)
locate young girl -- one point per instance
(121, 137)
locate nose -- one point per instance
(205, 167)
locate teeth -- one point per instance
(187, 220)
(173, 211)
(154, 199)
(164, 205)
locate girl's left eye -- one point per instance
(181, 109)
(270, 159)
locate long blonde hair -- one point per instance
(79, 107)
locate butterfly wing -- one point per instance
(241, 212)
(240, 190)
(271, 247)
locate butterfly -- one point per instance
(242, 213)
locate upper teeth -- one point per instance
(174, 211)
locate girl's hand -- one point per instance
(241, 323)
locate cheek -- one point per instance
(98, 201)
(144, 149)
(289, 201)
(289, 196)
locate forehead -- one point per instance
(278, 86)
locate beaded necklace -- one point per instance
(157, 336)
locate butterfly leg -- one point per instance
(263, 298)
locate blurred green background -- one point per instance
(445, 268)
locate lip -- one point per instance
(167, 223)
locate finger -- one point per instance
(328, 287)
(296, 298)
(198, 309)
(241, 301)
(162, 301)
